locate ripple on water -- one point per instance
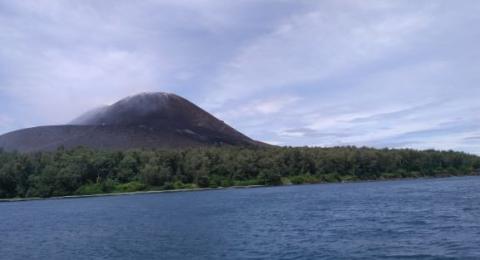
(414, 219)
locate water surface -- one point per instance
(411, 219)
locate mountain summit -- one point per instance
(147, 120)
(160, 111)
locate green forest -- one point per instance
(84, 171)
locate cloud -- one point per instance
(472, 138)
(332, 39)
(260, 107)
(5, 120)
(311, 133)
(78, 55)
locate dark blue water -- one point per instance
(416, 219)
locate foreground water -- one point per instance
(416, 219)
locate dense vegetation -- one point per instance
(84, 171)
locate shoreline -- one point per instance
(127, 193)
(218, 188)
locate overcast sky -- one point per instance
(319, 73)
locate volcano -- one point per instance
(148, 120)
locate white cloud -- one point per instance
(5, 121)
(323, 43)
(273, 105)
(260, 107)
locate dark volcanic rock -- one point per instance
(155, 120)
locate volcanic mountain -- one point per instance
(149, 120)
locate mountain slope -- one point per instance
(149, 120)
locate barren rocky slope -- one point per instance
(149, 120)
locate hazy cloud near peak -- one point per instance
(380, 73)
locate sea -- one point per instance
(405, 219)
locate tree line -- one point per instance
(83, 171)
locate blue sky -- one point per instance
(320, 73)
